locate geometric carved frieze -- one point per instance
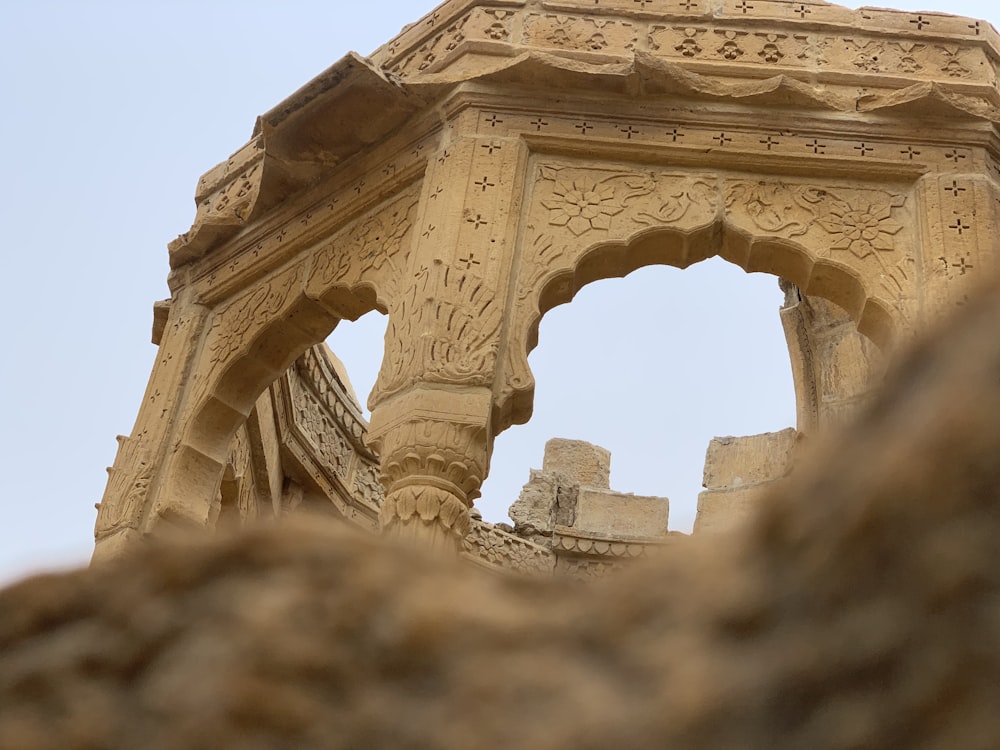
(832, 43)
(323, 434)
(959, 221)
(678, 135)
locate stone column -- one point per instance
(435, 443)
(124, 504)
(433, 404)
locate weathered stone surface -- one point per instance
(579, 462)
(621, 515)
(851, 153)
(859, 610)
(733, 462)
(738, 473)
(532, 512)
(567, 507)
(721, 510)
(835, 369)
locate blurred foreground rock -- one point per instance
(860, 609)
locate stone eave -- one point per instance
(359, 102)
(338, 114)
(818, 16)
(644, 75)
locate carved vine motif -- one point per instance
(860, 221)
(677, 197)
(861, 224)
(128, 483)
(775, 207)
(236, 322)
(583, 202)
(370, 248)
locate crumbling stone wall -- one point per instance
(569, 507)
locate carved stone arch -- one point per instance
(441, 181)
(246, 342)
(588, 226)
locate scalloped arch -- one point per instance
(783, 258)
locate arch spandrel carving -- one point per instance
(253, 337)
(368, 257)
(587, 220)
(443, 183)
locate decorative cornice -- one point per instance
(494, 547)
(566, 539)
(804, 54)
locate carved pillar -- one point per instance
(435, 443)
(959, 244)
(835, 369)
(433, 403)
(120, 513)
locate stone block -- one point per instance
(579, 462)
(732, 462)
(622, 515)
(721, 510)
(532, 511)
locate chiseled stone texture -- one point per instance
(621, 515)
(738, 473)
(568, 508)
(733, 462)
(579, 462)
(860, 610)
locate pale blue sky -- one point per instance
(112, 110)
